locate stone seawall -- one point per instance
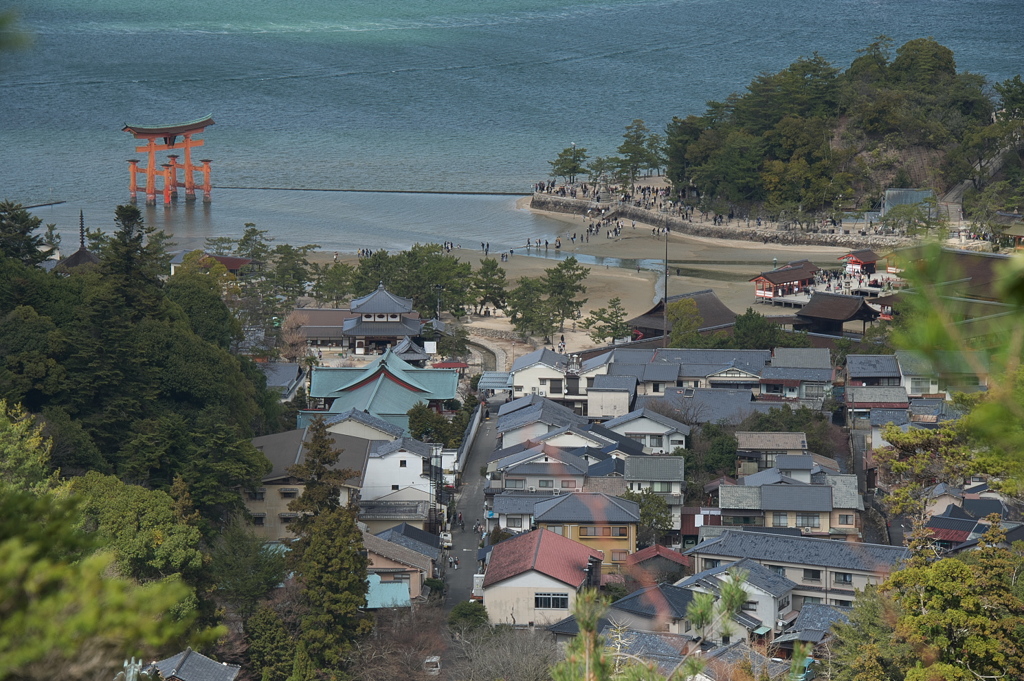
(559, 204)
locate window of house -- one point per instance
(663, 487)
(811, 600)
(256, 496)
(551, 601)
(725, 640)
(843, 577)
(656, 440)
(750, 606)
(768, 459)
(568, 484)
(590, 383)
(772, 388)
(545, 484)
(620, 531)
(780, 519)
(543, 381)
(394, 488)
(289, 493)
(657, 387)
(556, 385)
(619, 556)
(837, 601)
(287, 520)
(557, 529)
(814, 390)
(710, 563)
(777, 569)
(920, 385)
(401, 463)
(754, 521)
(784, 602)
(812, 575)
(846, 519)
(515, 522)
(808, 520)
(517, 388)
(637, 437)
(258, 521)
(515, 484)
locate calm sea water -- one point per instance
(446, 95)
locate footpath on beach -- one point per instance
(855, 237)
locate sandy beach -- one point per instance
(695, 263)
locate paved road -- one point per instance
(470, 500)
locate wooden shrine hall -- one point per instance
(165, 138)
(827, 313)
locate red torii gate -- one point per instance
(168, 135)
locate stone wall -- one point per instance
(559, 204)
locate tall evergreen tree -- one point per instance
(332, 572)
(323, 480)
(17, 238)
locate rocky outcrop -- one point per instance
(559, 204)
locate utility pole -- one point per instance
(664, 305)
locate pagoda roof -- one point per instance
(381, 301)
(168, 130)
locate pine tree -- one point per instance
(332, 572)
(271, 650)
(323, 481)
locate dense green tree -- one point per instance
(563, 284)
(607, 323)
(244, 567)
(635, 152)
(679, 135)
(17, 238)
(467, 615)
(200, 299)
(683, 322)
(754, 332)
(291, 274)
(489, 285)
(271, 649)
(332, 572)
(569, 163)
(530, 311)
(923, 63)
(139, 527)
(65, 610)
(24, 452)
(454, 342)
(323, 480)
(332, 283)
(655, 517)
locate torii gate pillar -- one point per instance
(168, 135)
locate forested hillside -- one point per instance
(127, 382)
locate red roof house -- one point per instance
(534, 578)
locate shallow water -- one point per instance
(448, 95)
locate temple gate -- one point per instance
(165, 138)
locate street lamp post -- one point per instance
(572, 177)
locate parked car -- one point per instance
(446, 540)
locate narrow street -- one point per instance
(470, 501)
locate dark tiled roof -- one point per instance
(790, 273)
(659, 601)
(286, 449)
(570, 627)
(355, 326)
(872, 366)
(542, 356)
(980, 508)
(648, 414)
(366, 419)
(611, 382)
(381, 301)
(803, 358)
(192, 666)
(807, 550)
(836, 307)
(791, 462)
(713, 312)
(740, 654)
(413, 539)
(788, 498)
(880, 417)
(587, 508)
(711, 405)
